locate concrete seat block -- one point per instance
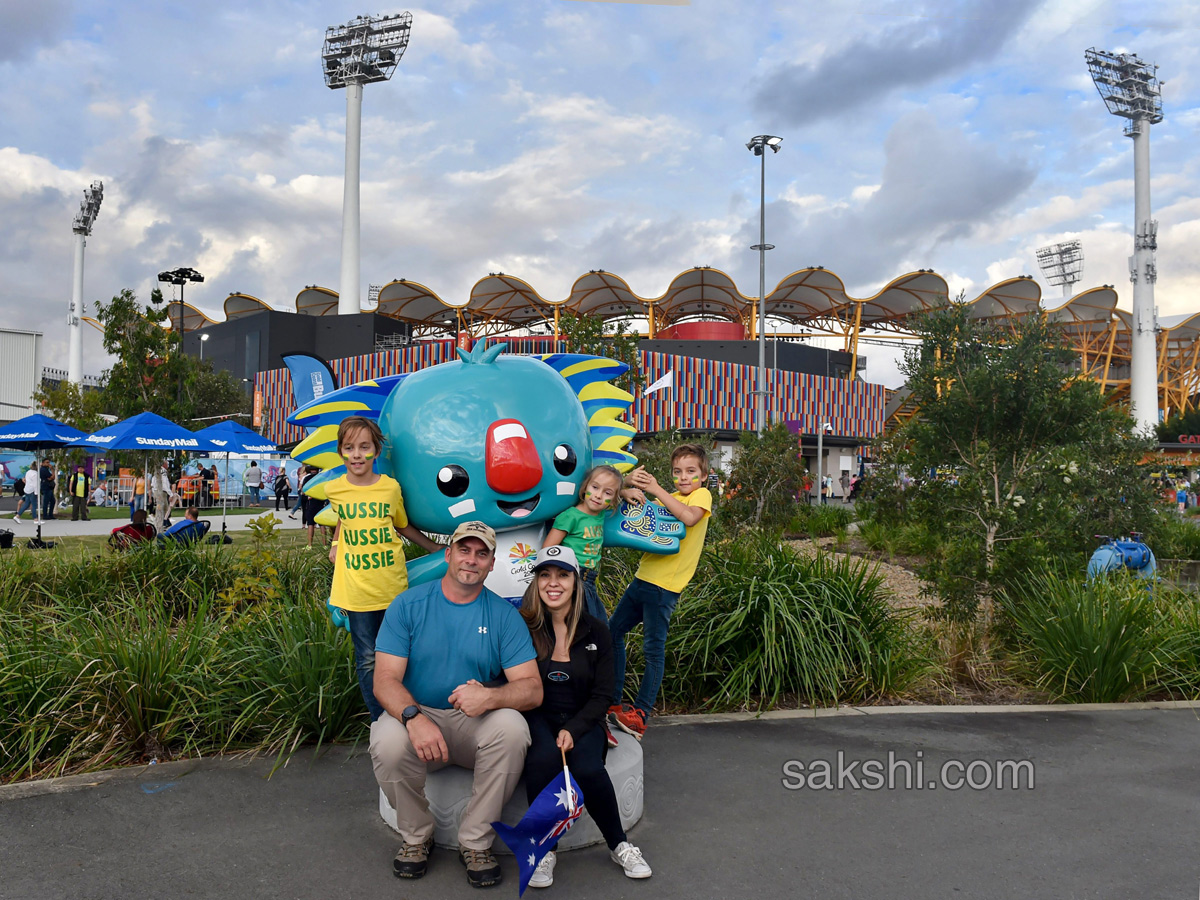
(449, 790)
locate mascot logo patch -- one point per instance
(521, 553)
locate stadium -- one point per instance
(702, 332)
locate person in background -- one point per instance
(46, 484)
(300, 473)
(29, 499)
(99, 496)
(312, 506)
(79, 488)
(283, 489)
(138, 499)
(160, 486)
(252, 478)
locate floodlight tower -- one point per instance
(1062, 264)
(364, 50)
(89, 208)
(1130, 88)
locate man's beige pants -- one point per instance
(493, 745)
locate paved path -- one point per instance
(1112, 814)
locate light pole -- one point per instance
(203, 339)
(758, 146)
(821, 431)
(365, 50)
(1130, 89)
(180, 277)
(89, 208)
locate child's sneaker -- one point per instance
(631, 720)
(629, 858)
(609, 736)
(543, 875)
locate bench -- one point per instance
(449, 790)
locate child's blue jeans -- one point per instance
(592, 601)
(652, 607)
(364, 628)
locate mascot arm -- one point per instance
(649, 528)
(426, 568)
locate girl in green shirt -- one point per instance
(582, 528)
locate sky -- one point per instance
(546, 138)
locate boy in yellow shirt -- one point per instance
(368, 560)
(651, 597)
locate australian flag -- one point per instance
(550, 816)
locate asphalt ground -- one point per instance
(1112, 813)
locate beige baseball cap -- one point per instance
(475, 530)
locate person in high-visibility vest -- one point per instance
(80, 488)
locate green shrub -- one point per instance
(1174, 538)
(760, 622)
(1095, 642)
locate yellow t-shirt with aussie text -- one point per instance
(369, 569)
(673, 571)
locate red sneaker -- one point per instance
(632, 721)
(609, 736)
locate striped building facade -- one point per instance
(708, 395)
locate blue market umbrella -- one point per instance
(235, 438)
(146, 432)
(34, 433)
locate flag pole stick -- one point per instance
(567, 784)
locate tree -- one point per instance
(767, 478)
(1011, 459)
(589, 334)
(150, 365)
(1181, 423)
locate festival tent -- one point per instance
(146, 432)
(230, 437)
(36, 433)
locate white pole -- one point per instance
(74, 323)
(761, 406)
(1143, 369)
(820, 457)
(348, 287)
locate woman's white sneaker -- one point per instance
(543, 875)
(629, 858)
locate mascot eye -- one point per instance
(453, 481)
(564, 459)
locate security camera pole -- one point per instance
(1130, 89)
(89, 208)
(363, 51)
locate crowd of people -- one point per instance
(452, 673)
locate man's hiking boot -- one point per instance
(412, 860)
(482, 868)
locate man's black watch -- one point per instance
(410, 713)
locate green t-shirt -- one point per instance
(585, 535)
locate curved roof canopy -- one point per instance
(316, 301)
(238, 305)
(192, 318)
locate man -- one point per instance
(439, 648)
(184, 530)
(160, 486)
(46, 481)
(79, 487)
(30, 499)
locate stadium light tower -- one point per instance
(364, 50)
(1130, 89)
(758, 146)
(89, 208)
(1062, 264)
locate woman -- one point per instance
(574, 655)
(283, 489)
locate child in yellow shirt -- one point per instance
(368, 560)
(651, 596)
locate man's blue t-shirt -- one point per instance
(446, 644)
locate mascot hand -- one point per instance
(649, 528)
(338, 616)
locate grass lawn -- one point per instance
(122, 512)
(288, 539)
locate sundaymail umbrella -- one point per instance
(146, 432)
(32, 434)
(231, 437)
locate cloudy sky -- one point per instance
(544, 138)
